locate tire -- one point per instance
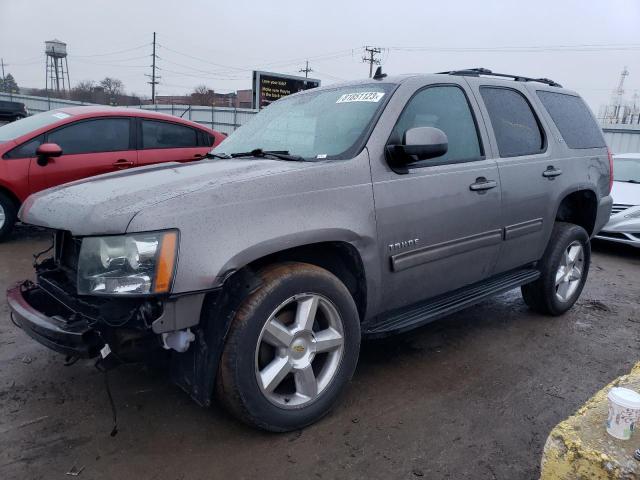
(289, 402)
(559, 287)
(8, 216)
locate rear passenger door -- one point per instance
(528, 169)
(89, 147)
(164, 141)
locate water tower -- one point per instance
(57, 66)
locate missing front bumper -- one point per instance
(51, 323)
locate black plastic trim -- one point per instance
(520, 229)
(421, 313)
(438, 251)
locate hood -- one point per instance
(106, 204)
(626, 193)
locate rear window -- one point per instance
(573, 119)
(515, 125)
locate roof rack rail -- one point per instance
(476, 72)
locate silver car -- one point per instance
(337, 214)
(624, 225)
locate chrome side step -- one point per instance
(427, 311)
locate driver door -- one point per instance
(437, 230)
(89, 147)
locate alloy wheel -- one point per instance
(299, 350)
(570, 271)
(3, 216)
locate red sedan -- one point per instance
(68, 144)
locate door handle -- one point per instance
(551, 172)
(482, 184)
(123, 163)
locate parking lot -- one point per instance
(471, 396)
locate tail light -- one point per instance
(610, 169)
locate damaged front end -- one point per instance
(52, 312)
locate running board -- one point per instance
(427, 311)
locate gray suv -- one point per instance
(337, 214)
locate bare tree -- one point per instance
(202, 95)
(84, 91)
(112, 87)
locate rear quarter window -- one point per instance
(573, 119)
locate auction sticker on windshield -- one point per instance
(361, 97)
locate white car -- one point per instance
(624, 225)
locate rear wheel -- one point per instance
(291, 350)
(8, 214)
(563, 271)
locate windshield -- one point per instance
(21, 127)
(318, 124)
(626, 170)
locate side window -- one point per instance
(167, 135)
(516, 127)
(92, 136)
(27, 149)
(444, 107)
(573, 119)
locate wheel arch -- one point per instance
(579, 207)
(11, 195)
(340, 257)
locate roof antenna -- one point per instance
(379, 75)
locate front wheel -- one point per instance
(563, 271)
(291, 350)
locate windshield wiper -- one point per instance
(279, 154)
(216, 155)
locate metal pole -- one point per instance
(153, 72)
(66, 61)
(3, 85)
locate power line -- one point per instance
(522, 49)
(281, 63)
(114, 53)
(108, 64)
(371, 59)
(201, 59)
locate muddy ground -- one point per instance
(472, 396)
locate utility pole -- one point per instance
(370, 57)
(306, 70)
(2, 63)
(153, 76)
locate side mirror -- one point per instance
(47, 151)
(419, 143)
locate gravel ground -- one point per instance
(471, 396)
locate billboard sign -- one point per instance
(269, 87)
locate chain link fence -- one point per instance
(222, 119)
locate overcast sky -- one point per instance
(219, 43)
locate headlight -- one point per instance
(136, 264)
